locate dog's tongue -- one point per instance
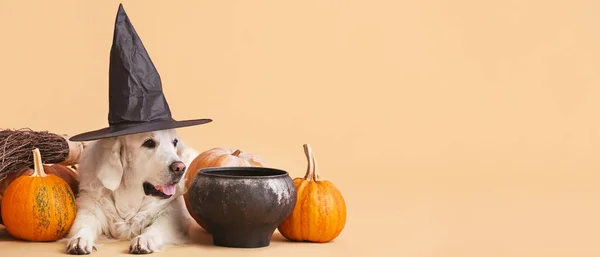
(167, 189)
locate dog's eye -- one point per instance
(175, 142)
(149, 143)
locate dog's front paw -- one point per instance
(143, 244)
(80, 246)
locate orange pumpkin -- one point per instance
(217, 157)
(39, 207)
(320, 212)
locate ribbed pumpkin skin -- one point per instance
(319, 215)
(217, 157)
(68, 175)
(38, 209)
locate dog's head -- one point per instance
(155, 161)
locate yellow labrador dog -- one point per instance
(131, 189)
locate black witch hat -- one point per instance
(136, 100)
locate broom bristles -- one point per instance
(16, 149)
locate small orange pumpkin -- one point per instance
(320, 212)
(68, 173)
(39, 207)
(217, 157)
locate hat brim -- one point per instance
(128, 129)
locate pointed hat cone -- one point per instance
(136, 100)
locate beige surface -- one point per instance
(453, 127)
(201, 245)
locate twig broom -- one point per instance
(16, 149)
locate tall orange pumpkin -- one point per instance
(217, 157)
(38, 207)
(320, 212)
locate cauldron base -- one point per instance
(242, 237)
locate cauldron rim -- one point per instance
(262, 172)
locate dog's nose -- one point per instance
(177, 167)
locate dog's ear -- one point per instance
(110, 167)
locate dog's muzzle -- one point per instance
(177, 169)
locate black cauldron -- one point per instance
(242, 206)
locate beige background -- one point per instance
(453, 127)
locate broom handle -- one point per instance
(75, 150)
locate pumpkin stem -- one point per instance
(236, 153)
(38, 166)
(311, 173)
